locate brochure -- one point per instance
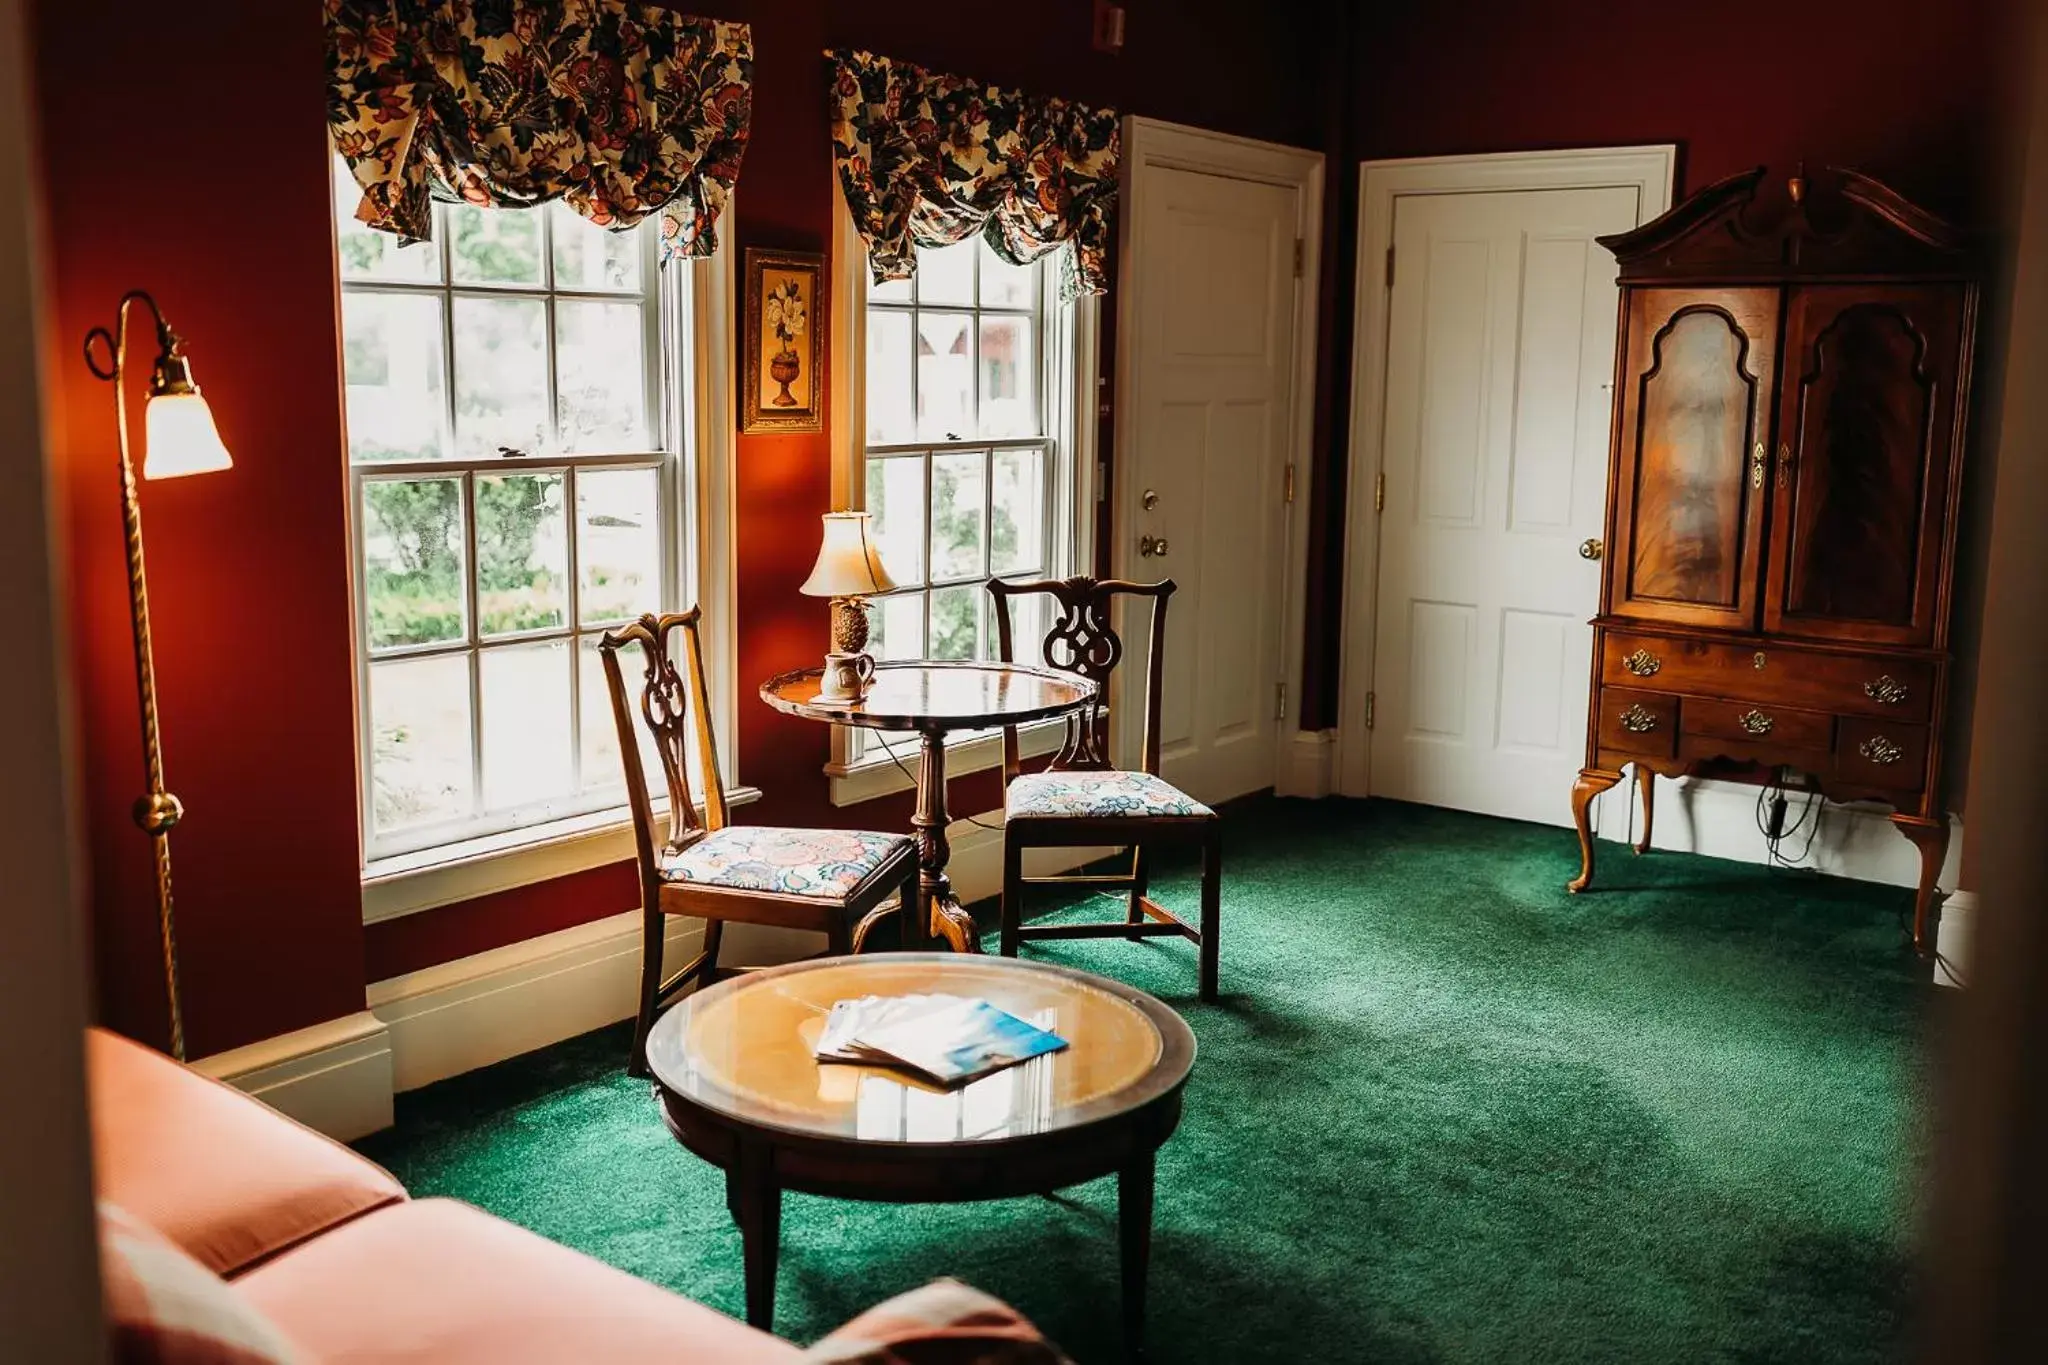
(948, 1038)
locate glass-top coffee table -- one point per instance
(739, 1087)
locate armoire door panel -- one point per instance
(1866, 437)
(1688, 510)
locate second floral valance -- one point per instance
(928, 160)
(620, 110)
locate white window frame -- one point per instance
(868, 764)
(691, 350)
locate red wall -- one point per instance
(189, 157)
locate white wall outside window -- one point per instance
(523, 399)
(964, 420)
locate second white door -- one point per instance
(1500, 357)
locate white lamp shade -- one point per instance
(180, 438)
(848, 563)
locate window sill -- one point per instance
(877, 775)
(413, 882)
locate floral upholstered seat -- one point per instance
(825, 864)
(1112, 793)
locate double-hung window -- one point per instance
(517, 452)
(965, 452)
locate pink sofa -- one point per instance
(331, 1249)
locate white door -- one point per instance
(1500, 362)
(1210, 378)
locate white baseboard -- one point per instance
(1955, 935)
(425, 1026)
(335, 1076)
(1718, 819)
(1308, 765)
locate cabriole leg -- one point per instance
(1592, 781)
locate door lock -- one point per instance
(1591, 549)
(1150, 499)
(1149, 546)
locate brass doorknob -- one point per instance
(1149, 546)
(1591, 549)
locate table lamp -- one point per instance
(180, 439)
(849, 571)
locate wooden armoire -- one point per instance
(1792, 383)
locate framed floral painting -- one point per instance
(783, 386)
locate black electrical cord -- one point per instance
(1808, 819)
(905, 770)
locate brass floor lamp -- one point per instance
(179, 438)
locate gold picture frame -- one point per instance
(782, 380)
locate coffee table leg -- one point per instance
(756, 1203)
(1134, 1234)
(943, 914)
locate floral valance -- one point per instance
(619, 110)
(928, 160)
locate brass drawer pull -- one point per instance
(1638, 721)
(1886, 691)
(1880, 750)
(1642, 663)
(1756, 722)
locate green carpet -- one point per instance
(1444, 1112)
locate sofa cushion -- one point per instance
(439, 1281)
(224, 1176)
(944, 1323)
(164, 1308)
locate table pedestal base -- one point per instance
(942, 916)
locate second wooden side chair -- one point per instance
(1081, 799)
(830, 881)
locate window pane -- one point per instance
(501, 376)
(526, 723)
(945, 376)
(493, 246)
(601, 377)
(945, 274)
(391, 363)
(1017, 504)
(601, 768)
(618, 541)
(889, 291)
(419, 754)
(896, 626)
(957, 515)
(896, 515)
(1004, 285)
(522, 553)
(590, 257)
(956, 614)
(370, 255)
(412, 560)
(1009, 378)
(1027, 628)
(889, 397)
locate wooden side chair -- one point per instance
(1082, 799)
(830, 881)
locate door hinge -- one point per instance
(1280, 701)
(1300, 256)
(1287, 491)
(1370, 697)
(1379, 492)
(1390, 267)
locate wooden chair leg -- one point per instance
(714, 937)
(1212, 912)
(1013, 895)
(1140, 884)
(839, 938)
(653, 939)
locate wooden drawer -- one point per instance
(1868, 685)
(1878, 754)
(1759, 723)
(1643, 723)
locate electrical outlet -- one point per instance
(1109, 27)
